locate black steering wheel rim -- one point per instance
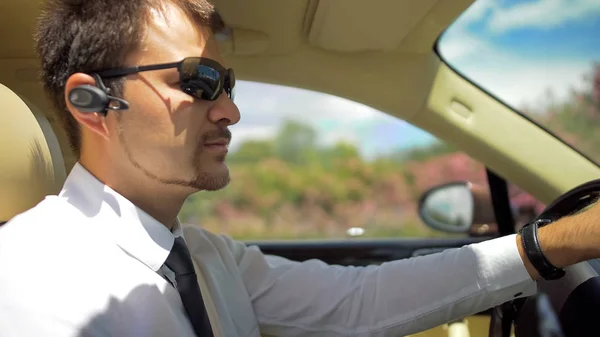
(572, 201)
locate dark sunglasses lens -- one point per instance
(200, 80)
(230, 84)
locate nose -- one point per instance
(224, 111)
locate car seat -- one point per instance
(32, 164)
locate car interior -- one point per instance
(32, 162)
(388, 61)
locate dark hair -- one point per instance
(87, 35)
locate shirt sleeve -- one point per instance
(396, 298)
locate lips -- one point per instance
(217, 146)
(217, 142)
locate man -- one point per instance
(106, 257)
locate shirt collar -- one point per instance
(135, 231)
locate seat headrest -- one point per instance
(31, 165)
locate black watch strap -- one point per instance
(531, 245)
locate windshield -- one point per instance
(539, 57)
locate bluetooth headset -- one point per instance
(89, 99)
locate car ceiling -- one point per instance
(377, 52)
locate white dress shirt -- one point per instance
(89, 263)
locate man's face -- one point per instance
(166, 134)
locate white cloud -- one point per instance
(459, 42)
(541, 14)
(264, 107)
(346, 110)
(477, 11)
(241, 133)
(526, 83)
(342, 134)
(525, 14)
(264, 102)
(460, 45)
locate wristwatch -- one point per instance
(531, 245)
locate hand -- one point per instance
(569, 240)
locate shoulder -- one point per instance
(200, 241)
(53, 242)
(51, 224)
(53, 275)
(50, 236)
(52, 210)
(196, 236)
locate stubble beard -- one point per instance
(204, 181)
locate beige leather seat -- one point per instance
(31, 164)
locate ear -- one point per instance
(96, 121)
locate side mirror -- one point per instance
(449, 207)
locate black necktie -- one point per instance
(180, 262)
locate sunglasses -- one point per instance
(199, 77)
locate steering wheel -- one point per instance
(575, 298)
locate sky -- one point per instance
(517, 50)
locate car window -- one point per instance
(539, 57)
(307, 165)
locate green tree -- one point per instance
(252, 151)
(576, 119)
(424, 153)
(295, 143)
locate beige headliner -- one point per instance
(376, 52)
